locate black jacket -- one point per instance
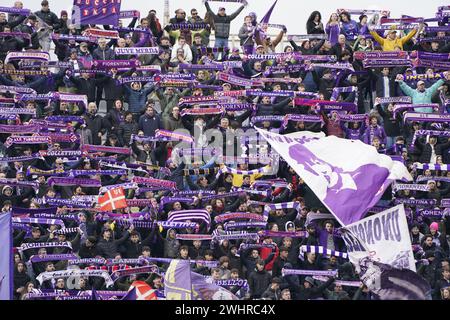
(427, 150)
(109, 249)
(258, 282)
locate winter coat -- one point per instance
(258, 282)
(222, 24)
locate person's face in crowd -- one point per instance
(287, 242)
(275, 226)
(306, 284)
(248, 21)
(20, 267)
(255, 254)
(286, 295)
(177, 206)
(260, 50)
(284, 254)
(433, 140)
(257, 66)
(334, 17)
(129, 118)
(392, 35)
(146, 253)
(306, 44)
(344, 18)
(169, 91)
(181, 42)
(197, 243)
(176, 112)
(259, 267)
(385, 72)
(203, 182)
(317, 18)
(208, 257)
(157, 282)
(427, 173)
(222, 12)
(209, 208)
(150, 112)
(266, 100)
(181, 14)
(145, 24)
(341, 39)
(30, 287)
(246, 181)
(17, 258)
(289, 49)
(118, 105)
(194, 13)
(376, 142)
(121, 43)
(107, 235)
(2, 17)
(102, 43)
(92, 108)
(329, 227)
(439, 160)
(134, 238)
(60, 284)
(45, 8)
(36, 233)
(446, 294)
(374, 121)
(415, 230)
(364, 21)
(50, 267)
(429, 241)
(224, 123)
(446, 274)
(165, 42)
(311, 256)
(82, 283)
(421, 86)
(333, 260)
(337, 288)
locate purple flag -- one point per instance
(6, 270)
(105, 12)
(349, 177)
(206, 289)
(177, 281)
(266, 18)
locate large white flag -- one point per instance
(348, 176)
(386, 236)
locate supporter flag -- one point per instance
(177, 281)
(104, 12)
(266, 18)
(386, 235)
(140, 290)
(6, 275)
(383, 280)
(205, 289)
(112, 200)
(348, 176)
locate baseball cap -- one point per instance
(221, 8)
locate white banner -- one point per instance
(386, 236)
(137, 50)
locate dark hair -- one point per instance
(347, 15)
(208, 253)
(146, 248)
(260, 262)
(361, 17)
(184, 248)
(313, 16)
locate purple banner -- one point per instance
(105, 12)
(6, 270)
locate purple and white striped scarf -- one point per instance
(192, 237)
(226, 169)
(44, 276)
(209, 264)
(436, 213)
(106, 149)
(430, 166)
(89, 261)
(63, 202)
(238, 225)
(339, 282)
(188, 215)
(282, 234)
(67, 231)
(116, 275)
(416, 202)
(18, 128)
(188, 66)
(416, 187)
(75, 173)
(115, 64)
(432, 39)
(155, 182)
(16, 111)
(136, 50)
(321, 250)
(38, 245)
(329, 273)
(15, 89)
(380, 55)
(426, 117)
(378, 63)
(238, 81)
(188, 26)
(19, 183)
(301, 37)
(239, 216)
(232, 235)
(302, 118)
(426, 178)
(65, 182)
(337, 66)
(39, 221)
(52, 257)
(418, 133)
(69, 37)
(445, 203)
(402, 107)
(28, 55)
(160, 133)
(388, 100)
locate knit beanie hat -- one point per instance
(434, 226)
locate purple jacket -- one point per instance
(372, 132)
(333, 33)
